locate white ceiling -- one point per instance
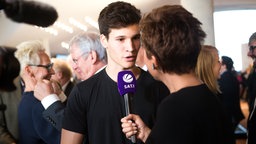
(13, 33)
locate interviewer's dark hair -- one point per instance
(174, 37)
(9, 68)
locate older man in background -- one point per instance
(89, 57)
(35, 66)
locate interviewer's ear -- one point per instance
(154, 62)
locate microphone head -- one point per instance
(126, 82)
(31, 12)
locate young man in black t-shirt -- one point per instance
(95, 107)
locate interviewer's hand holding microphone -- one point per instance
(133, 125)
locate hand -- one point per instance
(43, 88)
(58, 90)
(62, 97)
(56, 87)
(133, 125)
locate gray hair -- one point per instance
(252, 38)
(87, 42)
(28, 53)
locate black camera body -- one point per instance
(9, 68)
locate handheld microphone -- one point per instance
(30, 12)
(126, 82)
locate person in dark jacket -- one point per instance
(251, 92)
(35, 66)
(229, 87)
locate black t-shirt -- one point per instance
(192, 115)
(95, 107)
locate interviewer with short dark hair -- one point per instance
(191, 114)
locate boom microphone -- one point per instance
(126, 83)
(30, 12)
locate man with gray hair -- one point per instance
(89, 57)
(251, 92)
(87, 53)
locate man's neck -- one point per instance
(112, 73)
(99, 67)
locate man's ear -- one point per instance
(59, 74)
(29, 71)
(154, 61)
(94, 57)
(103, 41)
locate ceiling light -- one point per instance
(49, 30)
(92, 22)
(65, 45)
(64, 27)
(78, 24)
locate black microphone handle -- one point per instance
(127, 104)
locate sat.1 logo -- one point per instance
(127, 78)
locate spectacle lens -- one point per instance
(48, 66)
(251, 48)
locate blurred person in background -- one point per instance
(35, 66)
(88, 57)
(230, 91)
(208, 68)
(87, 53)
(251, 92)
(10, 95)
(63, 75)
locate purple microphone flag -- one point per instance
(126, 82)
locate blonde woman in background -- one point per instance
(208, 67)
(208, 70)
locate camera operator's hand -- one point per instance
(43, 88)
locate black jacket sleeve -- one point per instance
(54, 114)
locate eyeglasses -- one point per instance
(48, 66)
(251, 48)
(75, 60)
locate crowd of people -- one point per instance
(185, 93)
